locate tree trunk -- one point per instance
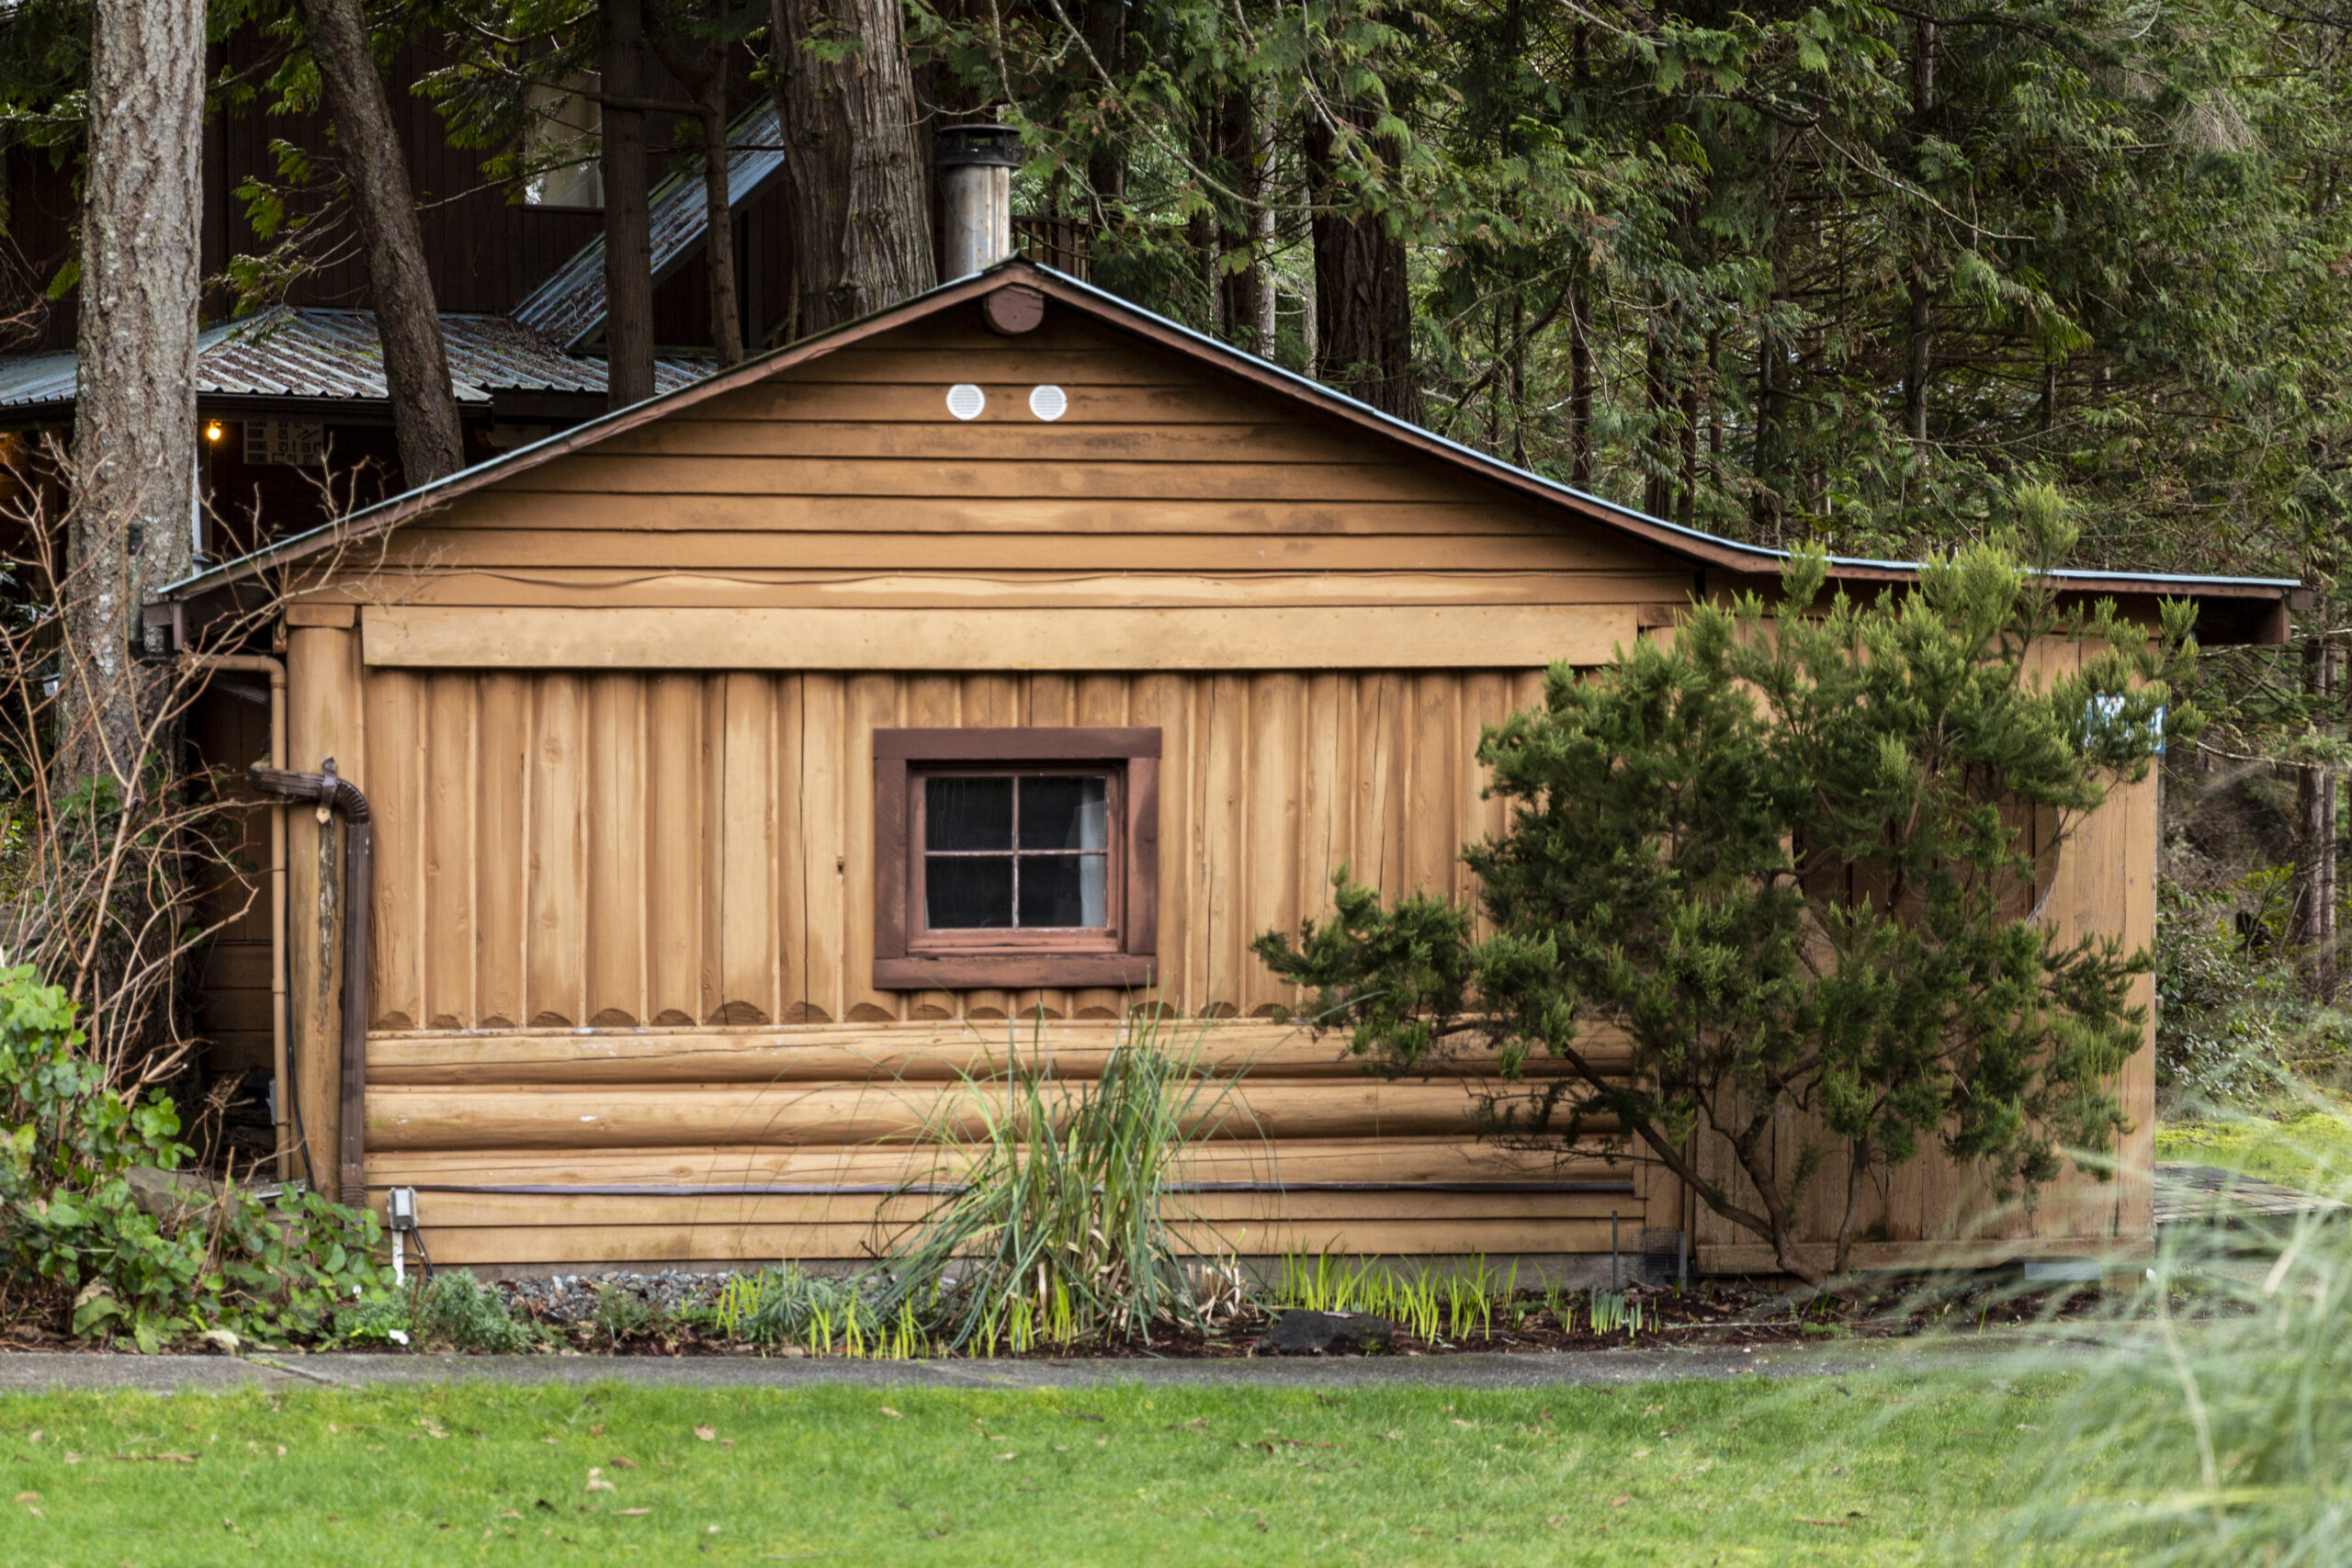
(1106, 160)
(1261, 235)
(855, 189)
(1363, 303)
(134, 418)
(1237, 161)
(2314, 896)
(1921, 347)
(701, 66)
(416, 363)
(1657, 400)
(628, 237)
(1579, 378)
(719, 226)
(1687, 502)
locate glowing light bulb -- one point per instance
(212, 429)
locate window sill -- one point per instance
(955, 971)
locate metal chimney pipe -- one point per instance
(976, 165)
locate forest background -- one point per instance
(1841, 273)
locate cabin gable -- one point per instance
(845, 481)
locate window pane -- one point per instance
(963, 893)
(1064, 813)
(968, 813)
(1062, 890)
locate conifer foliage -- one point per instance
(1795, 859)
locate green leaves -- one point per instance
(69, 1221)
(1792, 859)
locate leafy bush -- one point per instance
(2233, 1025)
(460, 1310)
(2220, 1005)
(75, 1238)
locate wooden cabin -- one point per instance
(746, 765)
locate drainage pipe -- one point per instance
(281, 1003)
(339, 795)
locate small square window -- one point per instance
(1016, 857)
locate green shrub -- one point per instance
(620, 1315)
(2221, 1013)
(74, 1240)
(2233, 1025)
(458, 1308)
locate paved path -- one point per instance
(2192, 1193)
(43, 1372)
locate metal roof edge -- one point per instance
(1420, 435)
(1731, 553)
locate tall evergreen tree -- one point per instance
(857, 189)
(134, 426)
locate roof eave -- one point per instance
(1703, 549)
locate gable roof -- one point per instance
(2256, 598)
(569, 306)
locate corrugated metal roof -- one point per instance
(335, 356)
(37, 379)
(570, 306)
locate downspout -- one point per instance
(339, 795)
(282, 1004)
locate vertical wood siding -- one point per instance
(610, 851)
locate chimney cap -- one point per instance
(963, 145)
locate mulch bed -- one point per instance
(1713, 1313)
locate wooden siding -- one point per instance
(612, 851)
(722, 1143)
(624, 917)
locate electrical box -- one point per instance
(403, 1207)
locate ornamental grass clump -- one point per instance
(2214, 1430)
(1060, 1220)
(783, 1304)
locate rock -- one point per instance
(1326, 1332)
(163, 1193)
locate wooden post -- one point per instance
(324, 720)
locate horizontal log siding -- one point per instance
(676, 861)
(720, 1144)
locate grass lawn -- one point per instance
(2310, 1148)
(1861, 1469)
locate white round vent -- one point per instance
(1049, 403)
(966, 401)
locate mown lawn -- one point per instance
(1859, 1469)
(2310, 1148)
